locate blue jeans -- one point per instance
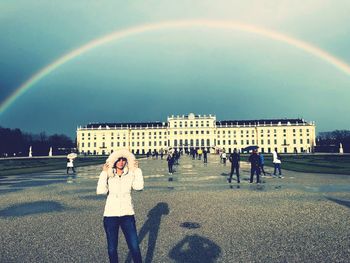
(277, 166)
(127, 223)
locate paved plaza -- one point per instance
(193, 215)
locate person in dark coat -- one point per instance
(205, 156)
(254, 160)
(171, 159)
(234, 159)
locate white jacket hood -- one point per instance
(130, 166)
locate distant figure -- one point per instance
(223, 157)
(70, 164)
(161, 153)
(205, 156)
(171, 159)
(200, 152)
(254, 160)
(262, 163)
(193, 154)
(277, 164)
(234, 159)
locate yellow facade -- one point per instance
(191, 131)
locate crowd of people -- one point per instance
(257, 163)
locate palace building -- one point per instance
(186, 132)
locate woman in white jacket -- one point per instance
(119, 176)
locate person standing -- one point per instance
(205, 156)
(254, 160)
(171, 159)
(277, 164)
(70, 164)
(234, 159)
(120, 174)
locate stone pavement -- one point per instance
(193, 215)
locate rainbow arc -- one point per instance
(121, 34)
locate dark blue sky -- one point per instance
(148, 76)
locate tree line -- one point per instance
(330, 141)
(14, 142)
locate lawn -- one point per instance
(32, 165)
(313, 163)
(335, 164)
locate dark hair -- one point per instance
(120, 158)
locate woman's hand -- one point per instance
(136, 164)
(105, 167)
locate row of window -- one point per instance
(197, 132)
(229, 150)
(191, 143)
(191, 132)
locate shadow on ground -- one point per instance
(31, 208)
(151, 227)
(339, 201)
(195, 249)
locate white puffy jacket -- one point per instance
(118, 190)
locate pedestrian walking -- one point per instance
(234, 159)
(224, 157)
(254, 160)
(200, 152)
(119, 175)
(262, 163)
(70, 165)
(277, 164)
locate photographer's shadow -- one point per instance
(151, 227)
(195, 249)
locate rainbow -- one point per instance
(120, 34)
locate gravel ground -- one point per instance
(196, 216)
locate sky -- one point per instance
(232, 72)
